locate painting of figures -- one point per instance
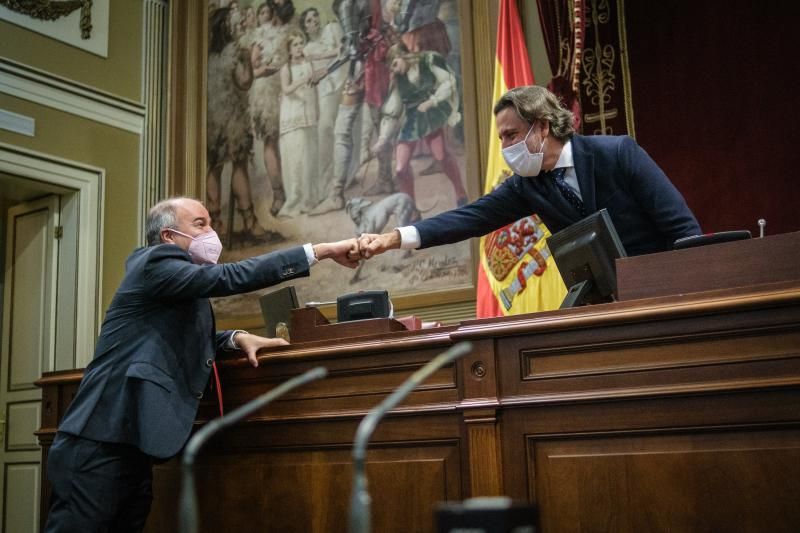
(331, 118)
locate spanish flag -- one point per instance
(516, 273)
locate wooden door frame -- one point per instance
(87, 182)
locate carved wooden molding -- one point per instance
(776, 295)
(50, 10)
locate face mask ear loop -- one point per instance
(525, 140)
(530, 130)
(541, 149)
(173, 230)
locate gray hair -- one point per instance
(532, 103)
(162, 215)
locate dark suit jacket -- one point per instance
(613, 173)
(157, 344)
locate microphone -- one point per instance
(360, 500)
(188, 501)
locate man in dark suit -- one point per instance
(563, 177)
(156, 349)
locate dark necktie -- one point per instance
(557, 175)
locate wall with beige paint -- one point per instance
(119, 74)
(68, 133)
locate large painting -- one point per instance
(329, 118)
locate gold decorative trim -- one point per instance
(626, 73)
(51, 10)
(598, 63)
(578, 28)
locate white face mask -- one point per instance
(521, 161)
(205, 249)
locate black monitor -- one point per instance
(363, 304)
(276, 308)
(585, 254)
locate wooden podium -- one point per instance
(666, 413)
(718, 266)
(310, 325)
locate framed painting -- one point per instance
(325, 119)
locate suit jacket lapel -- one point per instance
(584, 169)
(560, 209)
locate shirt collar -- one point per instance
(565, 158)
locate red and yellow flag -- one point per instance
(516, 273)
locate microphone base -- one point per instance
(490, 515)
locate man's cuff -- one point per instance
(409, 238)
(231, 344)
(312, 259)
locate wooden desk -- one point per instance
(664, 414)
(725, 265)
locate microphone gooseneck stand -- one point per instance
(188, 501)
(360, 500)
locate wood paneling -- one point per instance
(720, 481)
(279, 481)
(677, 413)
(731, 264)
